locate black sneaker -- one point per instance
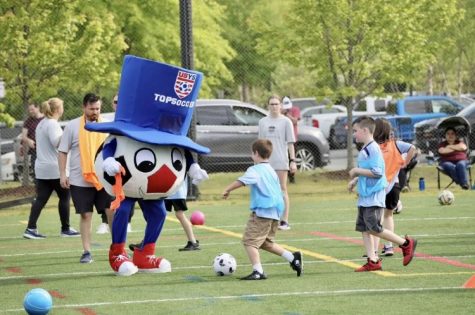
(297, 263)
(132, 247)
(191, 246)
(255, 275)
(86, 258)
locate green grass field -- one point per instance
(322, 219)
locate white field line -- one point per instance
(307, 262)
(251, 296)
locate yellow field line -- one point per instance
(325, 258)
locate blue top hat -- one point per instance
(156, 102)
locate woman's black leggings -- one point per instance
(44, 189)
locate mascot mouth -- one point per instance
(161, 181)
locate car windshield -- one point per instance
(467, 110)
(247, 116)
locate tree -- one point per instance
(250, 67)
(49, 45)
(152, 30)
(356, 47)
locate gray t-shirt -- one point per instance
(280, 132)
(70, 144)
(48, 135)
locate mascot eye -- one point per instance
(145, 160)
(177, 159)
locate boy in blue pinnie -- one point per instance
(371, 180)
(267, 206)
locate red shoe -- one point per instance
(371, 266)
(120, 262)
(408, 251)
(147, 262)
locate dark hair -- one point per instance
(450, 128)
(90, 98)
(365, 122)
(382, 130)
(263, 147)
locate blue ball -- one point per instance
(37, 302)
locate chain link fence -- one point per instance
(235, 99)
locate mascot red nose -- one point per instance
(147, 152)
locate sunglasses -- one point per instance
(115, 101)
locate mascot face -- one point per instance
(152, 171)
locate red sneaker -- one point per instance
(371, 266)
(408, 250)
(146, 261)
(120, 262)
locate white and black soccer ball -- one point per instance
(446, 197)
(224, 264)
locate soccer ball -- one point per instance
(37, 302)
(446, 197)
(224, 264)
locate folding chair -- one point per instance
(462, 127)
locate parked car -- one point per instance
(419, 108)
(322, 116)
(306, 102)
(340, 129)
(228, 127)
(427, 137)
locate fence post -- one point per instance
(186, 36)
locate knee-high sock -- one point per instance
(154, 213)
(121, 218)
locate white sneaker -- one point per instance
(129, 228)
(284, 225)
(398, 208)
(103, 228)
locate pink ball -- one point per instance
(197, 218)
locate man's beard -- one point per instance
(92, 118)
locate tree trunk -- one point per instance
(430, 80)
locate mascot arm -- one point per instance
(110, 165)
(196, 173)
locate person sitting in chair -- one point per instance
(453, 158)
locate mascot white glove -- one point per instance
(197, 174)
(111, 166)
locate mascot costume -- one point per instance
(147, 154)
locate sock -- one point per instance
(288, 256)
(258, 268)
(388, 244)
(405, 243)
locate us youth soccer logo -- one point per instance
(184, 83)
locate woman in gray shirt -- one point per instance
(279, 130)
(48, 135)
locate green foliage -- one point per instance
(68, 44)
(6, 118)
(358, 46)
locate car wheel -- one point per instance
(305, 157)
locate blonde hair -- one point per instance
(51, 106)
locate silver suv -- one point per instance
(228, 128)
